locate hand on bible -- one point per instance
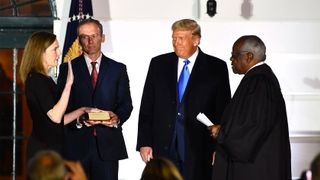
(111, 121)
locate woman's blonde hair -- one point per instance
(32, 57)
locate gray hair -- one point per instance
(255, 45)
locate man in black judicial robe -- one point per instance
(253, 138)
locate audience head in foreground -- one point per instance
(315, 168)
(160, 169)
(49, 165)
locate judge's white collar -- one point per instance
(258, 64)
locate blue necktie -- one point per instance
(183, 79)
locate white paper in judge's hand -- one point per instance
(204, 119)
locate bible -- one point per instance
(98, 116)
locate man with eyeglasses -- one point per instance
(102, 83)
(253, 138)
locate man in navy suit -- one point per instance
(98, 145)
(167, 125)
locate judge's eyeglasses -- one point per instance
(237, 53)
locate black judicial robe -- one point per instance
(253, 143)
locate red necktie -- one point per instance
(94, 74)
(94, 77)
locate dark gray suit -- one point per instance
(208, 91)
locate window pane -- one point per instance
(23, 122)
(6, 157)
(25, 8)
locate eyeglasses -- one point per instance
(237, 53)
(89, 37)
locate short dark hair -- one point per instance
(88, 21)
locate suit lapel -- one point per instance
(172, 75)
(84, 74)
(103, 71)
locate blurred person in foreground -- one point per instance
(314, 172)
(315, 168)
(49, 165)
(102, 83)
(253, 138)
(46, 106)
(178, 86)
(160, 169)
